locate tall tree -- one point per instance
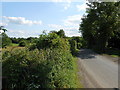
(100, 23)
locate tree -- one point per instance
(100, 23)
(61, 33)
(2, 28)
(5, 40)
(52, 40)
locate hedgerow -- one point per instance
(42, 67)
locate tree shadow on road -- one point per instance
(86, 54)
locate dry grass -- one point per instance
(10, 48)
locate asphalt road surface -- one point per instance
(97, 71)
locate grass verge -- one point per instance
(76, 69)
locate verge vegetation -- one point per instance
(46, 62)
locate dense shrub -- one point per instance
(48, 68)
(73, 47)
(81, 43)
(45, 64)
(22, 43)
(52, 40)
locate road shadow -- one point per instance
(86, 54)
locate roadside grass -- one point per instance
(114, 55)
(76, 69)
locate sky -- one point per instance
(30, 19)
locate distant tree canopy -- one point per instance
(100, 24)
(22, 44)
(61, 33)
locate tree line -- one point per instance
(100, 27)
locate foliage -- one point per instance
(60, 33)
(112, 51)
(52, 40)
(80, 42)
(47, 63)
(100, 24)
(50, 68)
(3, 29)
(5, 40)
(114, 41)
(22, 44)
(31, 39)
(73, 47)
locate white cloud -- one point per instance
(66, 3)
(66, 6)
(55, 26)
(16, 33)
(69, 30)
(70, 25)
(82, 7)
(23, 33)
(71, 33)
(3, 24)
(72, 20)
(21, 21)
(58, 27)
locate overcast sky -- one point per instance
(29, 19)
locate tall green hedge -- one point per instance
(43, 67)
